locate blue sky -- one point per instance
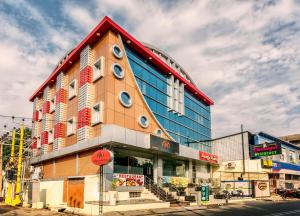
(244, 54)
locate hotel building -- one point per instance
(114, 92)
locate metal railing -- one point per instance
(162, 181)
(155, 189)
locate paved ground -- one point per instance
(17, 211)
(251, 208)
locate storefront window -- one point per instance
(174, 168)
(126, 162)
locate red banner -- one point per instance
(211, 158)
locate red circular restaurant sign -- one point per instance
(101, 157)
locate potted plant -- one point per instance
(113, 193)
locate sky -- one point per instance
(245, 55)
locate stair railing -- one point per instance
(162, 181)
(154, 188)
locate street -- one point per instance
(251, 208)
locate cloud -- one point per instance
(244, 54)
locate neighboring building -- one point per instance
(286, 167)
(294, 139)
(234, 158)
(111, 91)
(281, 167)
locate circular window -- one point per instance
(144, 122)
(117, 51)
(158, 132)
(125, 99)
(118, 71)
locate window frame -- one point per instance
(122, 102)
(52, 104)
(147, 123)
(73, 90)
(100, 74)
(100, 113)
(70, 133)
(118, 56)
(114, 72)
(50, 141)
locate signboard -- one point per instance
(121, 179)
(177, 181)
(261, 189)
(285, 168)
(265, 149)
(164, 145)
(211, 158)
(204, 193)
(102, 157)
(266, 163)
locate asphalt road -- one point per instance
(252, 208)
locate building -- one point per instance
(255, 157)
(114, 92)
(285, 166)
(294, 139)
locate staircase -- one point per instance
(158, 191)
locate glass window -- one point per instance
(174, 168)
(117, 51)
(130, 162)
(143, 121)
(125, 99)
(98, 69)
(118, 71)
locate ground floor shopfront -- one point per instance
(284, 175)
(72, 180)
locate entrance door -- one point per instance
(148, 170)
(75, 193)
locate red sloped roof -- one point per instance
(93, 36)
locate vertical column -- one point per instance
(60, 112)
(45, 121)
(34, 134)
(85, 96)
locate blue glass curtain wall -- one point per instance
(195, 125)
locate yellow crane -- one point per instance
(8, 198)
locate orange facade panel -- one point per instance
(65, 166)
(86, 167)
(48, 170)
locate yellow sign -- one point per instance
(266, 163)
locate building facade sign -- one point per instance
(285, 167)
(261, 189)
(265, 149)
(266, 163)
(102, 157)
(122, 180)
(204, 193)
(211, 158)
(164, 145)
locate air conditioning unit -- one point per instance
(230, 165)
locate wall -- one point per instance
(51, 192)
(253, 170)
(230, 148)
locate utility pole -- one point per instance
(243, 150)
(8, 197)
(17, 199)
(1, 163)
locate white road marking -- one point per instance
(284, 213)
